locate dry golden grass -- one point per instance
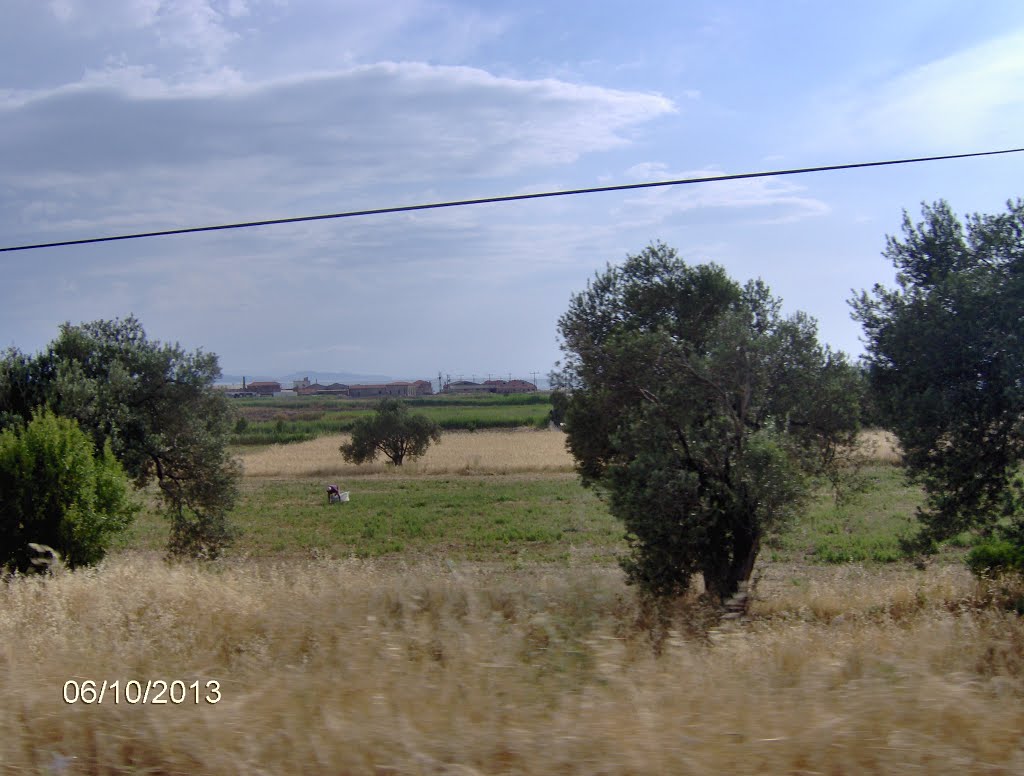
(480, 452)
(880, 446)
(346, 667)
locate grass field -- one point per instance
(277, 421)
(494, 518)
(465, 616)
(481, 452)
(495, 495)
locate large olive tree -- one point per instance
(154, 405)
(946, 365)
(699, 411)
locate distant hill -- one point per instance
(326, 378)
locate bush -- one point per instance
(55, 490)
(996, 556)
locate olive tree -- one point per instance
(393, 431)
(946, 366)
(154, 405)
(698, 411)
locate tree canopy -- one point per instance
(698, 410)
(56, 490)
(152, 403)
(946, 363)
(393, 431)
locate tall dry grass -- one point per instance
(484, 452)
(879, 446)
(346, 667)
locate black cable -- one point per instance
(508, 198)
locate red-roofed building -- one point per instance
(265, 388)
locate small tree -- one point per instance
(393, 431)
(155, 406)
(946, 365)
(55, 490)
(699, 411)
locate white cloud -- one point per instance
(765, 200)
(202, 29)
(970, 100)
(122, 144)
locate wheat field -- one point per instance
(478, 452)
(348, 667)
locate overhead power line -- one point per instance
(507, 198)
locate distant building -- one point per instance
(489, 386)
(315, 389)
(509, 386)
(235, 392)
(265, 388)
(464, 386)
(334, 389)
(397, 388)
(309, 389)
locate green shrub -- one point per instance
(996, 556)
(56, 490)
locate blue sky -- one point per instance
(136, 115)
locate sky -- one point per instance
(122, 116)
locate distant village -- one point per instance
(401, 388)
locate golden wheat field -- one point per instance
(491, 452)
(397, 666)
(348, 667)
(479, 452)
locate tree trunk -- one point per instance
(722, 579)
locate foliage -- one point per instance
(946, 359)
(995, 556)
(152, 403)
(55, 490)
(698, 409)
(559, 404)
(393, 431)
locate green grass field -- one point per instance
(466, 518)
(546, 518)
(276, 421)
(866, 527)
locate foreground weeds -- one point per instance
(385, 668)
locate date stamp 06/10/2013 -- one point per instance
(136, 691)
